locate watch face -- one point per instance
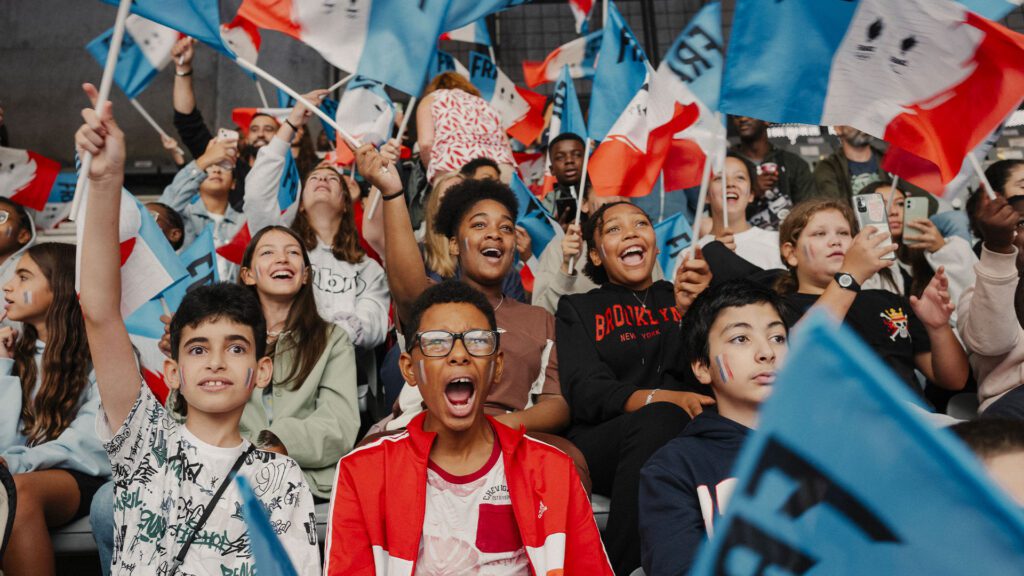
(845, 281)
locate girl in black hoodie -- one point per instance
(621, 366)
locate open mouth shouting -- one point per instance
(282, 273)
(492, 254)
(459, 394)
(633, 255)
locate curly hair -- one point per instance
(591, 226)
(345, 244)
(461, 198)
(66, 360)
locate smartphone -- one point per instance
(870, 211)
(225, 135)
(913, 209)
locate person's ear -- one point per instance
(595, 256)
(175, 235)
(264, 371)
(788, 251)
(172, 374)
(305, 274)
(247, 276)
(24, 235)
(453, 246)
(405, 365)
(499, 367)
(702, 371)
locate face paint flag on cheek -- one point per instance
(723, 368)
(249, 381)
(27, 295)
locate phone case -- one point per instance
(913, 209)
(870, 211)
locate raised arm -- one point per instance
(425, 128)
(117, 373)
(406, 275)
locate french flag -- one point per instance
(464, 12)
(199, 19)
(475, 33)
(26, 177)
(925, 75)
(630, 159)
(991, 9)
(145, 51)
(148, 263)
(581, 12)
(445, 62)
(242, 37)
(366, 112)
(566, 117)
(242, 117)
(288, 191)
(579, 55)
(538, 223)
(521, 110)
(388, 40)
(58, 204)
(144, 326)
(691, 73)
(621, 71)
(532, 169)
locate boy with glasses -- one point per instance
(458, 492)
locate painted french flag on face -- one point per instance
(26, 177)
(475, 33)
(388, 40)
(579, 55)
(366, 112)
(620, 72)
(145, 51)
(925, 75)
(148, 263)
(144, 325)
(521, 110)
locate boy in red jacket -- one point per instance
(457, 492)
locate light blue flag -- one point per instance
(145, 50)
(566, 108)
(464, 12)
(445, 62)
(620, 73)
(270, 557)
(532, 216)
(991, 9)
(199, 19)
(673, 235)
(845, 476)
(698, 55)
(200, 263)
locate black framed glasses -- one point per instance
(439, 343)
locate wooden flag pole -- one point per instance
(581, 195)
(401, 134)
(104, 95)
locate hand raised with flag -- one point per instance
(391, 151)
(692, 277)
(300, 114)
(182, 53)
(572, 246)
(377, 170)
(863, 259)
(934, 307)
(998, 222)
(101, 137)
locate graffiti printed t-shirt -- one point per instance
(469, 526)
(164, 477)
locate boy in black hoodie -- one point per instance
(736, 339)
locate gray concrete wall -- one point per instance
(43, 63)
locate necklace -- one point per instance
(642, 302)
(500, 302)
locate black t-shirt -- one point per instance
(885, 321)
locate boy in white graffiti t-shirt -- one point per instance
(176, 509)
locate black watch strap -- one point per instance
(846, 281)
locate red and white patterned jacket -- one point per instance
(379, 501)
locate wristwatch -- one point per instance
(847, 282)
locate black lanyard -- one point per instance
(209, 510)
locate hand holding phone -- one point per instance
(870, 211)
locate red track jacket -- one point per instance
(379, 499)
